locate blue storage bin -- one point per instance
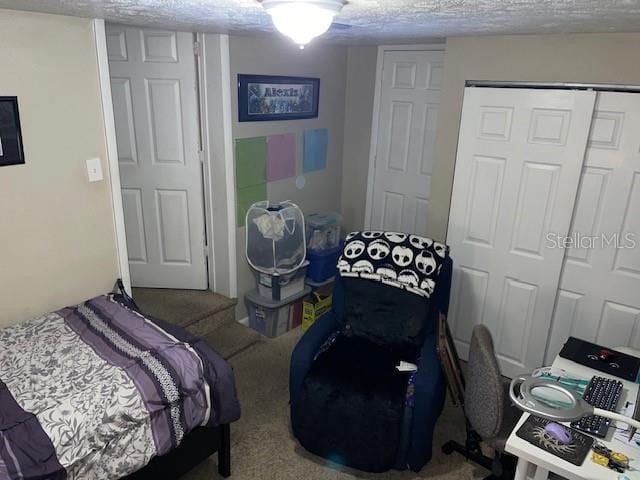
(322, 263)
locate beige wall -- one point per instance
(361, 80)
(541, 58)
(57, 243)
(273, 56)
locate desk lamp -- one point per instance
(547, 398)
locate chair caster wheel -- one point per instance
(496, 467)
(447, 448)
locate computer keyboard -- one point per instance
(602, 393)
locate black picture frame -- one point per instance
(293, 98)
(11, 150)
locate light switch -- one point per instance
(94, 170)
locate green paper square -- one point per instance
(251, 161)
(247, 196)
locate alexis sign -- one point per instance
(267, 91)
(268, 97)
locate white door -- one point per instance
(153, 84)
(409, 104)
(599, 295)
(520, 154)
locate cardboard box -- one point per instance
(314, 306)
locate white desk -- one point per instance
(535, 463)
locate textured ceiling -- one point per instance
(372, 21)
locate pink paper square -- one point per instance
(281, 156)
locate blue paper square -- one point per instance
(315, 149)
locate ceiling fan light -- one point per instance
(302, 20)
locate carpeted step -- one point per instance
(198, 311)
(232, 338)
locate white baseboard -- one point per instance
(244, 321)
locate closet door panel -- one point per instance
(520, 154)
(404, 147)
(602, 266)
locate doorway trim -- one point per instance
(214, 75)
(598, 87)
(217, 160)
(100, 39)
(376, 116)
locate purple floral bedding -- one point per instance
(97, 390)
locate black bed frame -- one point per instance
(195, 447)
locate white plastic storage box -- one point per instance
(290, 285)
(271, 317)
(323, 230)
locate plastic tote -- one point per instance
(322, 263)
(271, 317)
(323, 230)
(288, 286)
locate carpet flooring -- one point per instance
(263, 448)
(180, 307)
(204, 313)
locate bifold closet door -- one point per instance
(519, 158)
(599, 295)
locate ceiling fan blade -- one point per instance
(337, 26)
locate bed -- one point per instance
(100, 391)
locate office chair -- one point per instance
(490, 416)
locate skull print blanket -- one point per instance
(97, 390)
(410, 262)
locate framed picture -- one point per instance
(11, 152)
(268, 97)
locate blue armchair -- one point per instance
(349, 403)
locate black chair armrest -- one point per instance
(306, 349)
(429, 400)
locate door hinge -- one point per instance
(205, 247)
(197, 51)
(201, 156)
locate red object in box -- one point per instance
(295, 315)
